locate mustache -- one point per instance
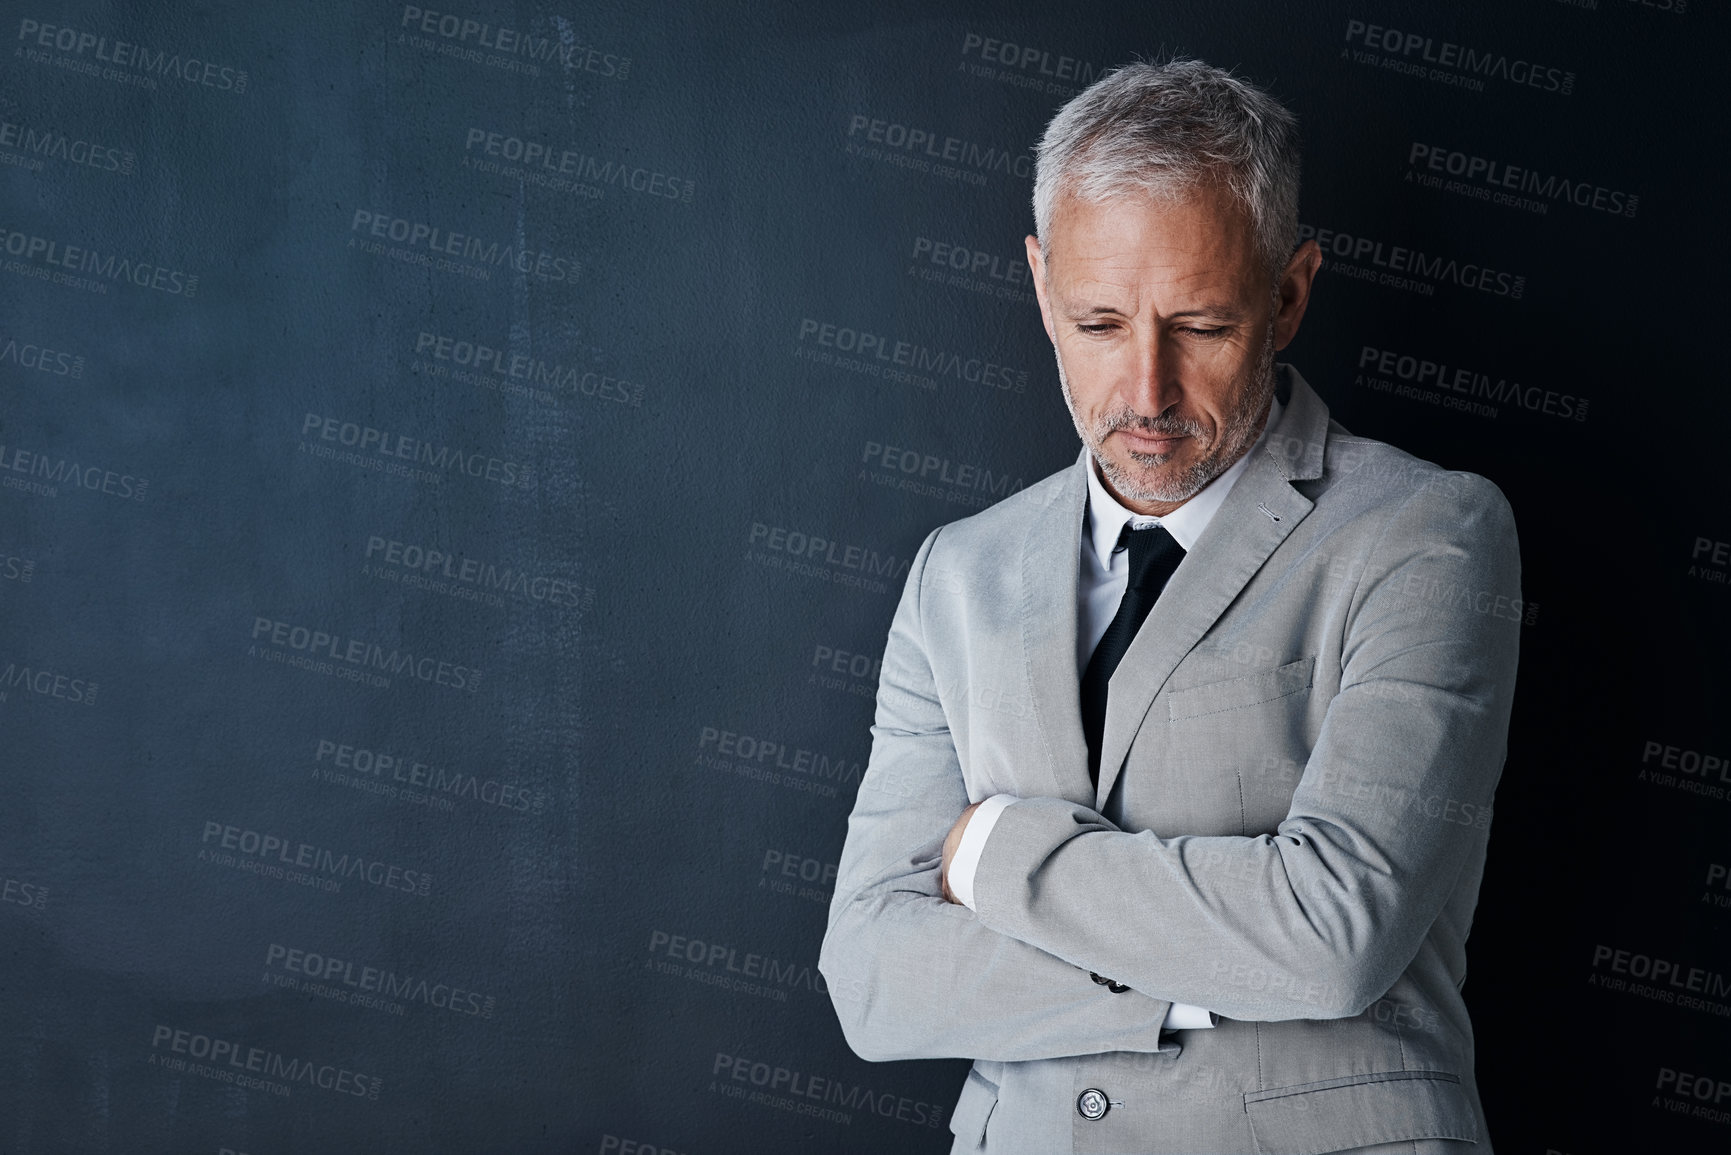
(1165, 425)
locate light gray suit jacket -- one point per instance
(1300, 752)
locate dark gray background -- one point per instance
(602, 707)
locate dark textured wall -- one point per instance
(457, 468)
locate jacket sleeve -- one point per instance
(1318, 919)
(911, 975)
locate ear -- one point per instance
(1037, 267)
(1295, 282)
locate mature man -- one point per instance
(1182, 771)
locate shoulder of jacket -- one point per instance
(1010, 515)
(1371, 483)
(1363, 470)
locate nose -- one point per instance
(1153, 386)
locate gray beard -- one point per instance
(1239, 433)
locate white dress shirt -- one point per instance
(1105, 572)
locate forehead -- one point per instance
(1201, 240)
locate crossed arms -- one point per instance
(1338, 899)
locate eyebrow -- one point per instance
(1222, 311)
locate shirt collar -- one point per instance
(1107, 518)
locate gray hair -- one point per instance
(1162, 129)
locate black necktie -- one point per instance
(1153, 557)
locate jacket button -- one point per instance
(1092, 1104)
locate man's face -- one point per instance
(1165, 325)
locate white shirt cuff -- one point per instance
(1181, 1016)
(967, 858)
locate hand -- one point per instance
(953, 843)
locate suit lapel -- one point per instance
(1235, 545)
(1051, 560)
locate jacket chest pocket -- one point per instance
(1246, 690)
(1242, 742)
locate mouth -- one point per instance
(1158, 443)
